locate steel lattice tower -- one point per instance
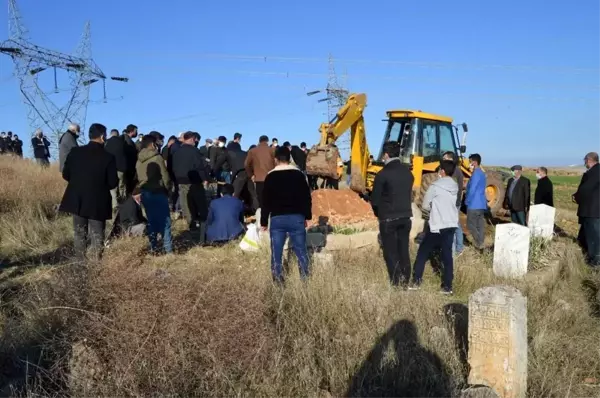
(31, 60)
(337, 95)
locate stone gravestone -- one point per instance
(541, 221)
(511, 250)
(498, 340)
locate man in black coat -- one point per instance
(206, 149)
(9, 142)
(518, 196)
(219, 163)
(298, 156)
(543, 192)
(391, 201)
(116, 147)
(17, 146)
(237, 160)
(40, 145)
(2, 142)
(91, 173)
(191, 172)
(131, 153)
(588, 211)
(235, 144)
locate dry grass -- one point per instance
(209, 322)
(28, 222)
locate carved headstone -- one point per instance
(511, 250)
(498, 340)
(541, 221)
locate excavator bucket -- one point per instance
(322, 161)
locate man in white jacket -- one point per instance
(440, 202)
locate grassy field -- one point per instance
(209, 322)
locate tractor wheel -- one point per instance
(495, 191)
(426, 181)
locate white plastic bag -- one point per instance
(251, 240)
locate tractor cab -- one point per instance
(421, 135)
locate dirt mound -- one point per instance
(343, 207)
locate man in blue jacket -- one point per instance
(476, 201)
(224, 222)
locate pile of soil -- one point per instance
(337, 208)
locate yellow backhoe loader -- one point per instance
(423, 137)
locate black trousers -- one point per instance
(85, 228)
(442, 240)
(394, 236)
(260, 187)
(239, 183)
(313, 182)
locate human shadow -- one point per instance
(18, 267)
(410, 370)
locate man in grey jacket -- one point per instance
(458, 177)
(440, 201)
(67, 142)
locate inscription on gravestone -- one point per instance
(511, 250)
(541, 221)
(498, 340)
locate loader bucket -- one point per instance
(322, 161)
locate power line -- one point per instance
(31, 60)
(299, 74)
(421, 64)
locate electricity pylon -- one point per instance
(31, 60)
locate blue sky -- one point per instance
(524, 75)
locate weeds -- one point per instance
(209, 322)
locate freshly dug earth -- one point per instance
(340, 207)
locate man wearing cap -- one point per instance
(518, 196)
(206, 149)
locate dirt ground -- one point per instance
(341, 207)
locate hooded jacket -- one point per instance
(152, 172)
(440, 201)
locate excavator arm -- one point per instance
(323, 158)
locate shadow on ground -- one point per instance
(12, 269)
(411, 371)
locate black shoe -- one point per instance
(414, 286)
(446, 292)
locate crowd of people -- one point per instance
(391, 201)
(215, 184)
(10, 144)
(211, 186)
